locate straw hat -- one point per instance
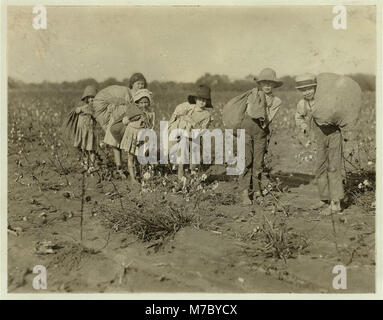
(305, 80)
(90, 91)
(141, 94)
(269, 74)
(202, 91)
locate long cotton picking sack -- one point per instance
(110, 95)
(69, 126)
(234, 111)
(338, 100)
(117, 128)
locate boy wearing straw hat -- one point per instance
(256, 133)
(329, 147)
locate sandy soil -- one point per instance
(221, 257)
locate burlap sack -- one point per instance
(233, 112)
(117, 129)
(338, 100)
(110, 95)
(69, 126)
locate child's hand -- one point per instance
(78, 110)
(125, 120)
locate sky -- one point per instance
(183, 43)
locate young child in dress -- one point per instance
(328, 172)
(189, 115)
(129, 142)
(256, 134)
(85, 135)
(116, 109)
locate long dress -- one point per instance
(85, 135)
(129, 141)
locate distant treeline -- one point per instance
(216, 82)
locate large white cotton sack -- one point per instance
(338, 100)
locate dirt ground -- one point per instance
(221, 256)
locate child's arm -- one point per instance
(204, 124)
(84, 109)
(300, 117)
(180, 110)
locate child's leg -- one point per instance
(244, 179)
(321, 164)
(180, 171)
(117, 157)
(258, 161)
(335, 170)
(132, 167)
(118, 162)
(92, 158)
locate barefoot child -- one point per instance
(189, 115)
(256, 133)
(129, 143)
(329, 147)
(85, 135)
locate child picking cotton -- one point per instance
(111, 104)
(129, 142)
(262, 106)
(190, 115)
(85, 135)
(329, 147)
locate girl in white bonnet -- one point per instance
(129, 142)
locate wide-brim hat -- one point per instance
(90, 91)
(305, 80)
(269, 74)
(202, 91)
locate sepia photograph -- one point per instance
(188, 149)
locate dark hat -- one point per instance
(269, 74)
(90, 91)
(136, 77)
(201, 91)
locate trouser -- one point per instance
(329, 158)
(255, 149)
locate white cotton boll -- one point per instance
(146, 175)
